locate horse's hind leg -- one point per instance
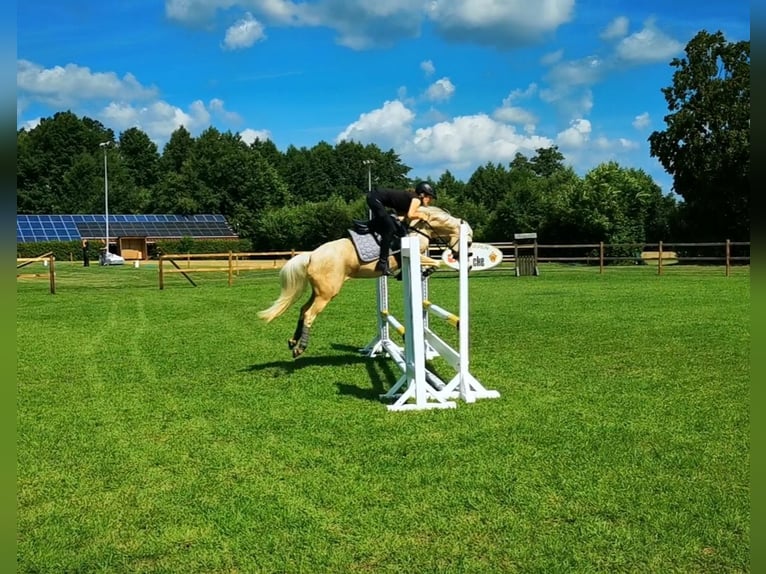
(292, 342)
(324, 290)
(300, 341)
(301, 335)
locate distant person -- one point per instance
(405, 202)
(85, 256)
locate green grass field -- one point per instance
(170, 431)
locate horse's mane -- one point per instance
(440, 215)
(442, 220)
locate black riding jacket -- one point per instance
(397, 199)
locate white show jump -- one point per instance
(419, 388)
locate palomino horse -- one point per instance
(332, 263)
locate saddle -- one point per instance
(366, 239)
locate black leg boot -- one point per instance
(382, 266)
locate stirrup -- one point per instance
(383, 268)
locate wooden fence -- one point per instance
(725, 253)
(230, 263)
(46, 259)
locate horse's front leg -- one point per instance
(428, 265)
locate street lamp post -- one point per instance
(105, 145)
(368, 163)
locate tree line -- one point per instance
(302, 197)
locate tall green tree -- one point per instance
(174, 190)
(547, 161)
(177, 150)
(140, 156)
(487, 186)
(53, 174)
(706, 144)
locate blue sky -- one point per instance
(446, 84)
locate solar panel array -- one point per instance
(34, 228)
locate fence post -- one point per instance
(52, 274)
(659, 262)
(162, 281)
(231, 270)
(601, 257)
(728, 257)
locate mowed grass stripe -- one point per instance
(170, 431)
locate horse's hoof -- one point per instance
(297, 352)
(291, 343)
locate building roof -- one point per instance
(35, 228)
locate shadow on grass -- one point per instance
(379, 370)
(304, 362)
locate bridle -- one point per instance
(440, 239)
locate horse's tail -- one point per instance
(293, 277)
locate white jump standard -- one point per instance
(421, 385)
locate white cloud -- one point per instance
(428, 67)
(440, 90)
(617, 28)
(552, 58)
(363, 24)
(459, 143)
(194, 11)
(217, 107)
(511, 114)
(648, 45)
(627, 144)
(433, 116)
(31, 124)
(570, 102)
(250, 135)
(642, 121)
(158, 120)
(202, 12)
(404, 98)
(519, 94)
(62, 86)
(569, 85)
(569, 82)
(282, 11)
(515, 115)
(244, 33)
(388, 125)
(471, 140)
(503, 24)
(604, 144)
(584, 149)
(584, 72)
(576, 135)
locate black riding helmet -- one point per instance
(424, 188)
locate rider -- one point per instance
(405, 203)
